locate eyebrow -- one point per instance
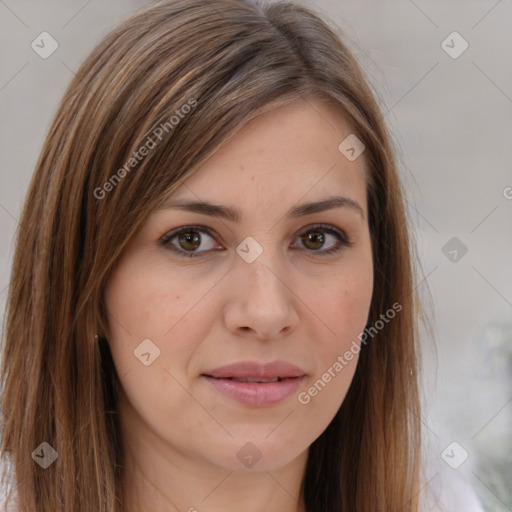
(233, 214)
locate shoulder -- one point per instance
(445, 490)
(447, 493)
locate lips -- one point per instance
(255, 379)
(256, 384)
(250, 370)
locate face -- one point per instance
(206, 311)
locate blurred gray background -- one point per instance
(450, 111)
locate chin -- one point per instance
(254, 453)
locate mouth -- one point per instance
(250, 379)
(252, 370)
(255, 384)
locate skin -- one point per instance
(180, 435)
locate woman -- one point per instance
(219, 313)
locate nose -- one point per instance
(261, 301)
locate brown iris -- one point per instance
(190, 240)
(315, 237)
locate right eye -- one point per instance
(187, 240)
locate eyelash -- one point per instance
(342, 239)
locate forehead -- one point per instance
(281, 156)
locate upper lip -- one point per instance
(252, 369)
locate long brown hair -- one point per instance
(228, 60)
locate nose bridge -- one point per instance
(260, 299)
(262, 275)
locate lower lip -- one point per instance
(256, 394)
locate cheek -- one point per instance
(149, 302)
(345, 313)
(343, 303)
(146, 299)
(341, 307)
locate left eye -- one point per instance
(190, 238)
